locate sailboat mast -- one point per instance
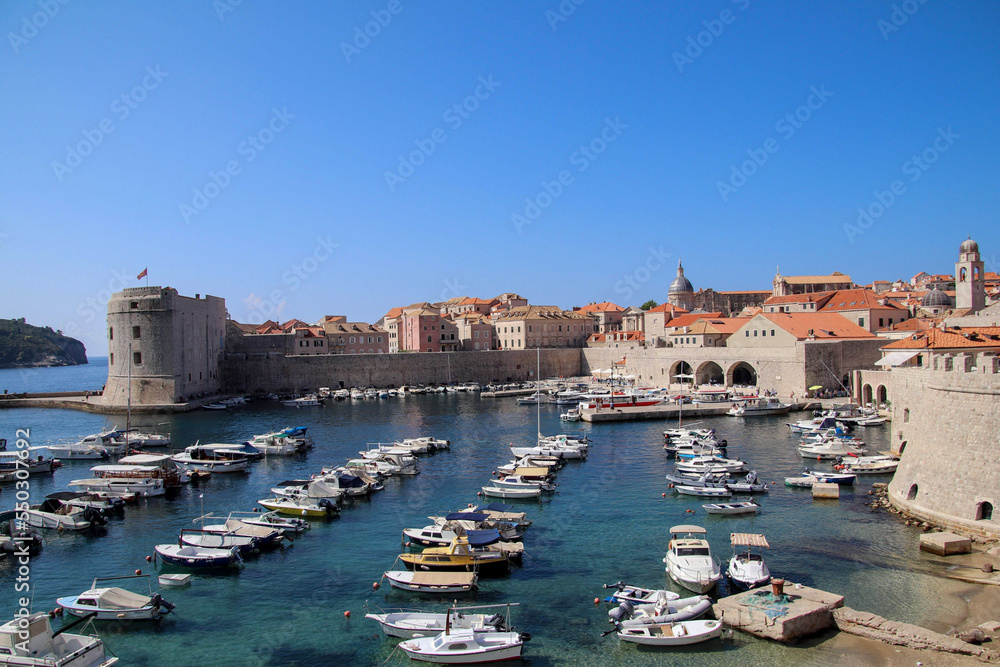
(538, 389)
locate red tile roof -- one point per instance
(666, 308)
(855, 299)
(604, 307)
(688, 319)
(824, 326)
(949, 338)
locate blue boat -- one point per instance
(199, 557)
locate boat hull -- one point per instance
(694, 633)
(148, 613)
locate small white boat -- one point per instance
(829, 449)
(302, 402)
(702, 464)
(507, 492)
(802, 481)
(300, 506)
(662, 610)
(842, 478)
(409, 624)
(689, 559)
(708, 491)
(521, 482)
(210, 459)
(30, 642)
(208, 539)
(636, 595)
(174, 579)
(672, 634)
(58, 515)
(198, 557)
(465, 646)
(215, 406)
(571, 415)
(746, 568)
(748, 507)
(871, 421)
(432, 582)
(113, 603)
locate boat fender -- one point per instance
(525, 637)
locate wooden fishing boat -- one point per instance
(748, 507)
(407, 624)
(432, 582)
(672, 634)
(459, 555)
(465, 646)
(710, 491)
(112, 603)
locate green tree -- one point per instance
(649, 304)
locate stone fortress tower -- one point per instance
(681, 292)
(970, 281)
(171, 345)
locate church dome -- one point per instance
(968, 245)
(936, 299)
(680, 283)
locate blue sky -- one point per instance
(277, 156)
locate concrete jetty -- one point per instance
(799, 612)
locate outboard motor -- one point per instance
(622, 613)
(158, 601)
(525, 637)
(327, 503)
(95, 518)
(497, 622)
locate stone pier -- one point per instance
(802, 611)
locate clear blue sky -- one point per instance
(667, 121)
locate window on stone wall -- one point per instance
(984, 511)
(134, 304)
(135, 332)
(111, 333)
(912, 493)
(906, 415)
(137, 358)
(111, 359)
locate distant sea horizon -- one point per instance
(81, 377)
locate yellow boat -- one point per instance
(459, 555)
(300, 507)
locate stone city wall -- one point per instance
(946, 425)
(263, 372)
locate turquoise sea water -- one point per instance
(607, 522)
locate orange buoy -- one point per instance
(138, 571)
(408, 544)
(663, 495)
(597, 600)
(347, 614)
(149, 559)
(376, 585)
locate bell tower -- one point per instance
(970, 281)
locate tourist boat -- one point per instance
(302, 401)
(661, 610)
(432, 582)
(568, 452)
(701, 464)
(300, 506)
(689, 559)
(842, 478)
(709, 491)
(29, 641)
(112, 603)
(464, 646)
(829, 449)
(868, 465)
(512, 493)
(636, 595)
(748, 507)
(205, 539)
(672, 634)
(212, 460)
(567, 397)
(200, 557)
(620, 399)
(14, 462)
(831, 435)
(123, 481)
(746, 568)
(758, 407)
(57, 514)
(712, 396)
(409, 624)
(459, 555)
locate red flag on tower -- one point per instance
(141, 275)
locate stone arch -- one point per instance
(742, 373)
(962, 275)
(708, 372)
(881, 394)
(680, 367)
(912, 493)
(866, 394)
(975, 273)
(984, 511)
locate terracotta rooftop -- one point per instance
(854, 299)
(617, 336)
(812, 297)
(834, 278)
(603, 307)
(913, 324)
(539, 312)
(949, 338)
(824, 326)
(666, 308)
(688, 319)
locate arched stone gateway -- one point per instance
(743, 374)
(710, 372)
(866, 394)
(882, 395)
(681, 368)
(984, 511)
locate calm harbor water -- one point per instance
(607, 522)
